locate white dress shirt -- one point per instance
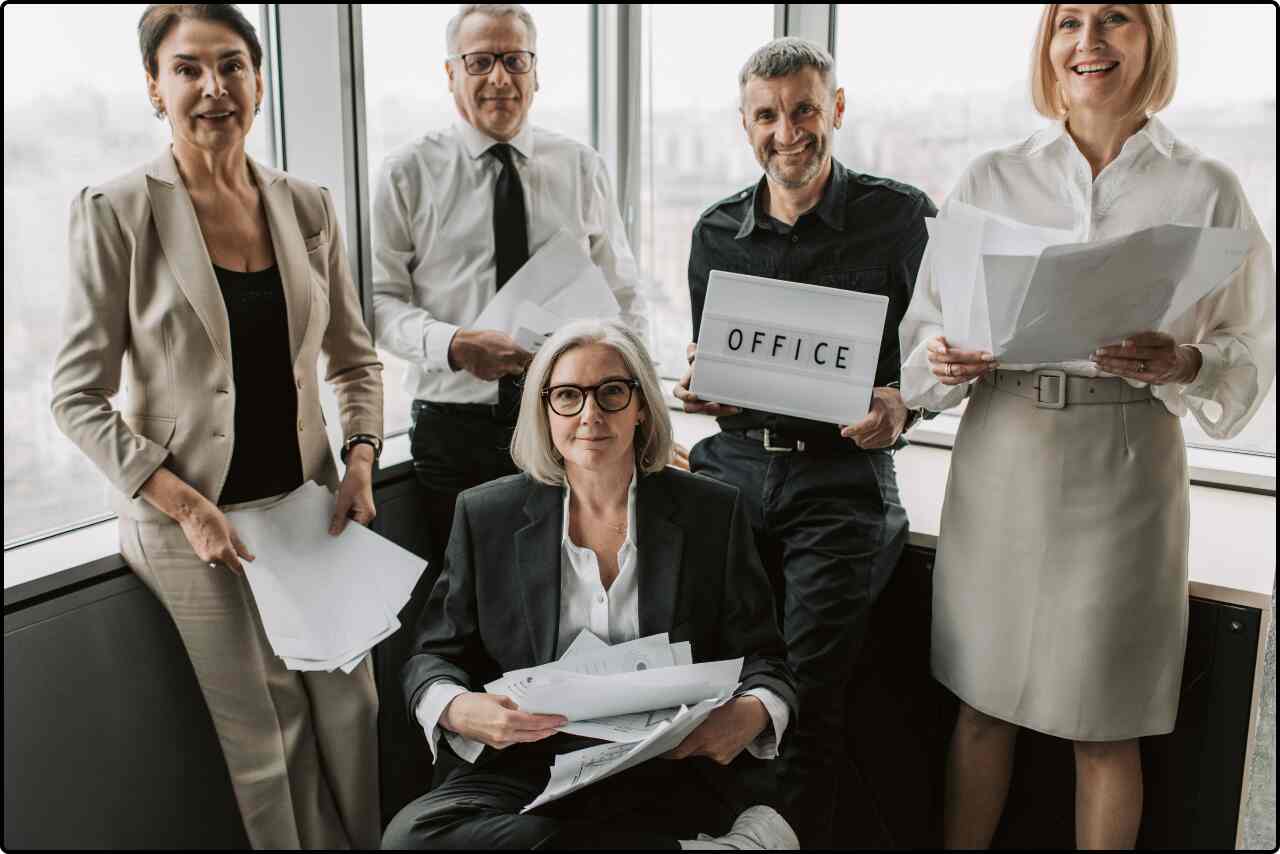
(433, 246)
(612, 615)
(1155, 180)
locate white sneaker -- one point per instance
(758, 828)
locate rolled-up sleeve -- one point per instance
(401, 326)
(87, 369)
(610, 249)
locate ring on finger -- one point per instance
(951, 369)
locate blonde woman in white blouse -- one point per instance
(1060, 587)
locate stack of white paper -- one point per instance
(1028, 294)
(645, 695)
(559, 283)
(325, 601)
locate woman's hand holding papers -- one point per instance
(882, 424)
(355, 495)
(1151, 357)
(496, 720)
(693, 403)
(726, 732)
(955, 367)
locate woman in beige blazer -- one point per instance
(221, 281)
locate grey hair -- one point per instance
(785, 56)
(496, 10)
(532, 448)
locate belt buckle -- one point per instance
(768, 444)
(1058, 401)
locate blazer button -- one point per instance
(299, 425)
(299, 383)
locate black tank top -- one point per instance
(265, 459)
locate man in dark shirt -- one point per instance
(823, 499)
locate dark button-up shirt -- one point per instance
(866, 234)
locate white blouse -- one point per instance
(1155, 180)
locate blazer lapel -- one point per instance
(185, 250)
(291, 252)
(660, 545)
(538, 562)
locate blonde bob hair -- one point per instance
(1155, 86)
(532, 448)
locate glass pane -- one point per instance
(926, 120)
(406, 94)
(76, 113)
(693, 149)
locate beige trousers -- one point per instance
(301, 748)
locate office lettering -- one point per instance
(733, 332)
(817, 350)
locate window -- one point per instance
(406, 94)
(75, 113)
(693, 150)
(963, 90)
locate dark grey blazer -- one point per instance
(496, 605)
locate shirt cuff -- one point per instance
(1203, 386)
(765, 745)
(428, 713)
(435, 343)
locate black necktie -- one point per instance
(510, 251)
(510, 228)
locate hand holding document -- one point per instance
(325, 601)
(642, 676)
(1030, 295)
(559, 283)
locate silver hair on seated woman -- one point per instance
(597, 533)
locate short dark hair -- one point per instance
(158, 19)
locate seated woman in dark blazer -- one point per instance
(598, 534)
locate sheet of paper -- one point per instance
(639, 654)
(578, 697)
(583, 643)
(560, 278)
(1030, 294)
(324, 600)
(573, 771)
(1084, 296)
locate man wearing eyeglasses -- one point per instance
(455, 214)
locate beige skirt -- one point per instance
(1060, 586)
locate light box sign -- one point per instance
(788, 347)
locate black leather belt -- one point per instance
(492, 411)
(778, 442)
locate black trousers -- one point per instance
(651, 806)
(456, 447)
(830, 528)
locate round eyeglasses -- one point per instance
(481, 63)
(611, 396)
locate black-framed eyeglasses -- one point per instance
(611, 396)
(481, 63)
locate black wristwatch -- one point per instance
(362, 439)
(913, 416)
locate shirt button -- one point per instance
(600, 597)
(795, 238)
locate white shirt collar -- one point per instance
(631, 516)
(1154, 131)
(477, 142)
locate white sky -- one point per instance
(1228, 51)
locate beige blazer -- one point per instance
(142, 286)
